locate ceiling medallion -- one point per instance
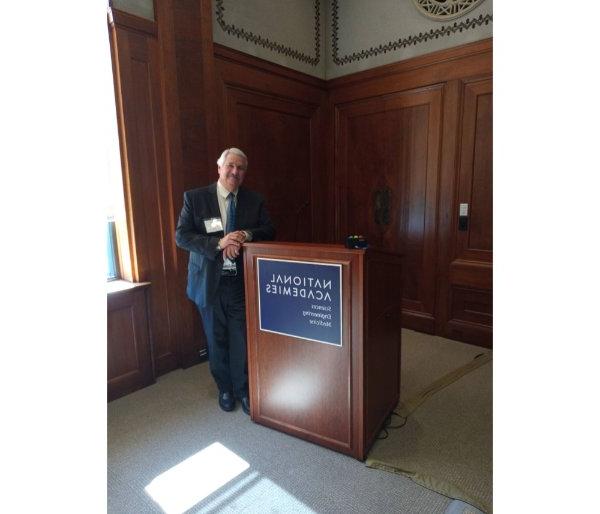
(445, 9)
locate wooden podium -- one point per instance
(319, 369)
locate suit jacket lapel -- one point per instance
(240, 209)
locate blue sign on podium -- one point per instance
(301, 299)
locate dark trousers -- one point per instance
(225, 330)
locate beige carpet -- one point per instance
(446, 443)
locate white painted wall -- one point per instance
(362, 26)
(280, 31)
(284, 31)
(142, 8)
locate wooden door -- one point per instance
(386, 172)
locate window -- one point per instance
(113, 271)
(117, 245)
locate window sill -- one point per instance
(119, 286)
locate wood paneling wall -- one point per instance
(470, 260)
(130, 364)
(277, 116)
(412, 141)
(145, 86)
(186, 27)
(389, 153)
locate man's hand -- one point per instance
(231, 244)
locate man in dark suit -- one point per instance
(214, 222)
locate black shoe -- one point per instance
(245, 401)
(226, 401)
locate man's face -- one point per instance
(231, 174)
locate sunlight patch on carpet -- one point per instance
(189, 482)
(265, 496)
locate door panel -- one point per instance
(387, 157)
(470, 268)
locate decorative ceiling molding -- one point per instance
(445, 9)
(391, 46)
(271, 45)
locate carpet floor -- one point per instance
(171, 449)
(446, 442)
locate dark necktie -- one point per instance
(230, 213)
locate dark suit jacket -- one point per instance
(206, 263)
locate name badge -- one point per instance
(213, 225)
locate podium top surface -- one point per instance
(270, 244)
(331, 247)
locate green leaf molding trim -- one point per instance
(271, 45)
(391, 46)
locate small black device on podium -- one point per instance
(356, 242)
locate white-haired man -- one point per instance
(214, 222)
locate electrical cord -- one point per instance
(394, 413)
(387, 424)
(412, 404)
